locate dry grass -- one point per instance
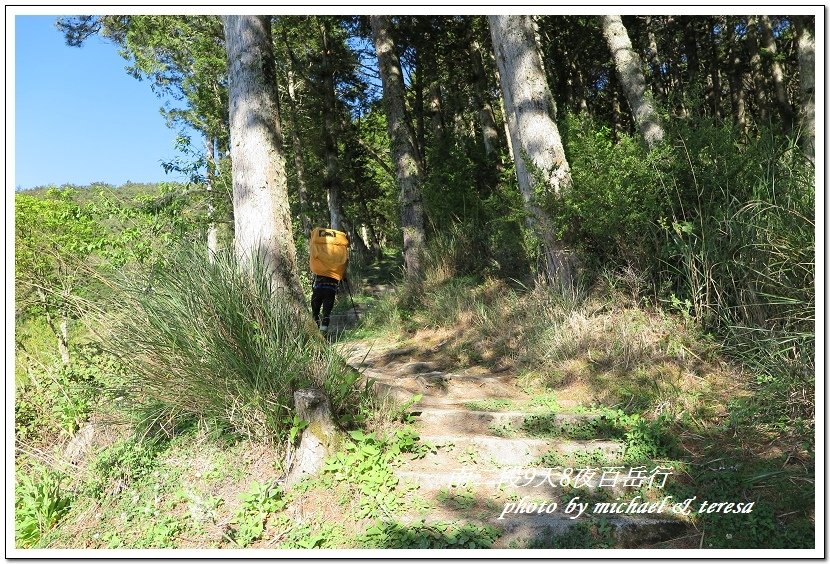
(603, 350)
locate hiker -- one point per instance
(324, 291)
(329, 256)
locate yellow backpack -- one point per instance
(329, 252)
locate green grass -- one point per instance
(235, 348)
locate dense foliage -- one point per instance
(711, 233)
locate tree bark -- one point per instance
(691, 50)
(296, 143)
(436, 115)
(737, 92)
(262, 219)
(418, 109)
(654, 60)
(616, 115)
(714, 67)
(580, 98)
(807, 73)
(485, 109)
(759, 84)
(319, 439)
(331, 175)
(538, 151)
(776, 74)
(630, 72)
(408, 167)
(210, 181)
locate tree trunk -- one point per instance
(319, 440)
(262, 219)
(436, 115)
(299, 164)
(331, 175)
(485, 110)
(759, 84)
(538, 150)
(714, 67)
(691, 51)
(776, 74)
(210, 180)
(408, 167)
(807, 73)
(418, 109)
(617, 128)
(630, 72)
(654, 60)
(737, 91)
(581, 101)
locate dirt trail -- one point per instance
(505, 459)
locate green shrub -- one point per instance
(57, 399)
(212, 340)
(39, 502)
(610, 213)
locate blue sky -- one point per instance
(79, 117)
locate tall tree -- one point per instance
(332, 55)
(713, 31)
(210, 186)
(331, 174)
(737, 78)
(755, 65)
(807, 74)
(299, 164)
(630, 72)
(260, 197)
(776, 74)
(487, 118)
(541, 166)
(655, 63)
(408, 167)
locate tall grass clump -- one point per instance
(214, 341)
(742, 260)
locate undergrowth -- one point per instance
(234, 347)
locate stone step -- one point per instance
(535, 530)
(498, 451)
(437, 378)
(436, 394)
(466, 421)
(603, 482)
(541, 531)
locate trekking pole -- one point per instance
(349, 288)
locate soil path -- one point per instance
(507, 459)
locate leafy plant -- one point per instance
(433, 535)
(297, 427)
(258, 502)
(457, 498)
(597, 533)
(160, 534)
(365, 465)
(489, 405)
(123, 463)
(40, 502)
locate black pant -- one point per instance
(322, 297)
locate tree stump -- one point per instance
(319, 439)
